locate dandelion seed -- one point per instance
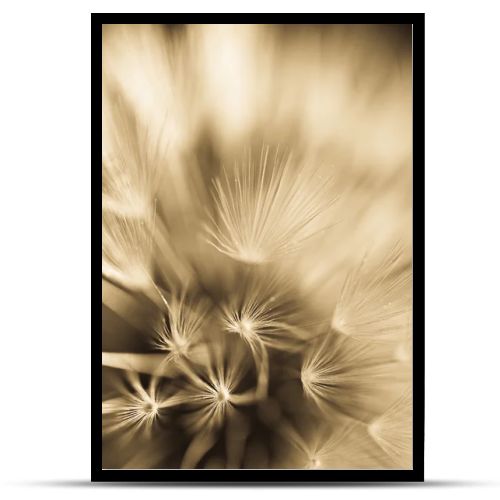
(262, 315)
(344, 444)
(324, 454)
(213, 387)
(374, 304)
(348, 376)
(267, 210)
(213, 391)
(126, 251)
(263, 318)
(180, 325)
(392, 431)
(137, 408)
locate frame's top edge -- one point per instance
(271, 18)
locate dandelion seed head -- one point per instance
(235, 363)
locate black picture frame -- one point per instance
(265, 476)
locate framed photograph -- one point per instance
(261, 239)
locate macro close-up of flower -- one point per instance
(257, 246)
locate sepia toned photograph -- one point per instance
(258, 201)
